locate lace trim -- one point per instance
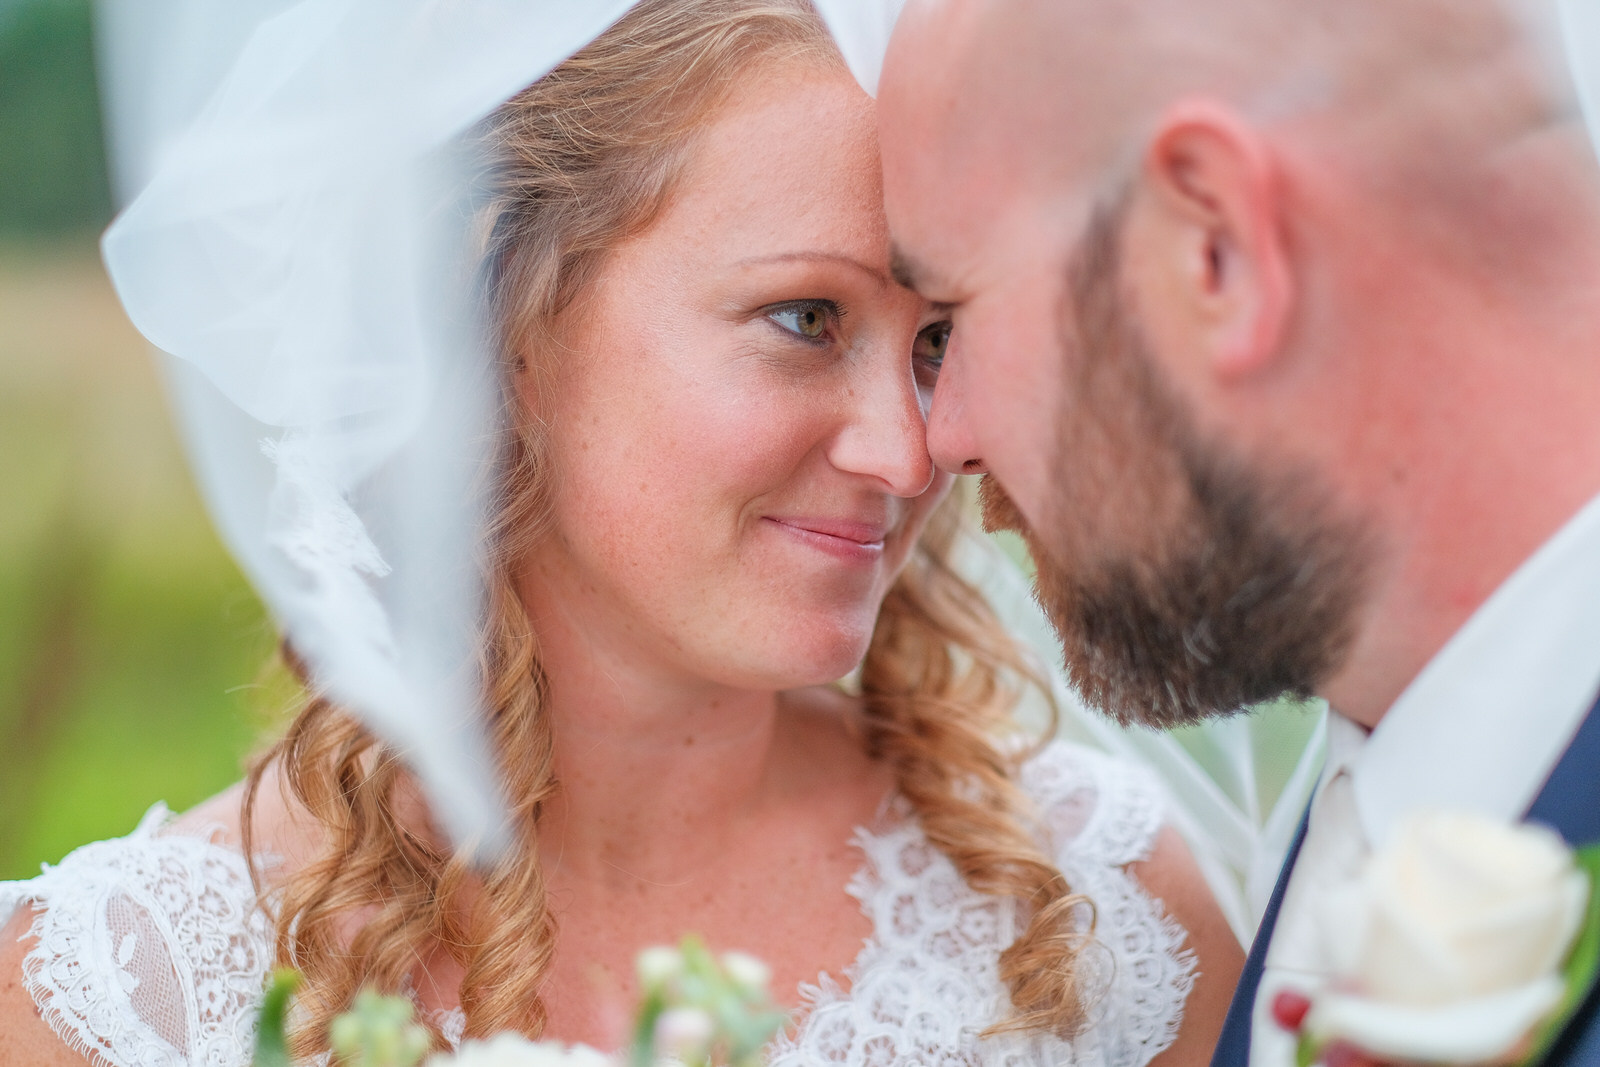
(926, 984)
(147, 956)
(153, 951)
(1145, 972)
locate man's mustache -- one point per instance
(997, 510)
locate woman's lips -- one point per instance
(857, 542)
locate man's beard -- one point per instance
(1216, 585)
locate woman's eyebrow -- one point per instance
(877, 275)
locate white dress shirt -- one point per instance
(1479, 729)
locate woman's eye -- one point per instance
(931, 344)
(808, 320)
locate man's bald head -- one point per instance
(1108, 66)
(1228, 279)
(1065, 88)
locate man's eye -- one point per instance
(931, 344)
(809, 320)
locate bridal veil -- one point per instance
(295, 242)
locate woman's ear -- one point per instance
(1206, 249)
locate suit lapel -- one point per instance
(1233, 1047)
(1569, 804)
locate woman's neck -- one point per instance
(654, 766)
(642, 785)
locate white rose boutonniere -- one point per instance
(1464, 942)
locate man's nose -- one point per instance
(950, 440)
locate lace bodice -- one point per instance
(152, 951)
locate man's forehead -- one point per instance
(952, 258)
(974, 107)
(908, 272)
(942, 229)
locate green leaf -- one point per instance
(1583, 962)
(1307, 1051)
(643, 1052)
(272, 1047)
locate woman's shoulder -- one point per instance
(25, 1038)
(1093, 807)
(146, 949)
(1168, 957)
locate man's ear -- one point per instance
(1207, 247)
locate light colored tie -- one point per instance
(1334, 852)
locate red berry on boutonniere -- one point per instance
(1289, 1010)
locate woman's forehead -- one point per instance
(792, 156)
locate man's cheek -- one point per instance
(1029, 360)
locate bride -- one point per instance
(714, 501)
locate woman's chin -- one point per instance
(827, 669)
(797, 657)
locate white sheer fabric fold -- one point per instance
(862, 29)
(1580, 31)
(296, 244)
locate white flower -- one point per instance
(1458, 906)
(657, 966)
(684, 1031)
(1488, 1029)
(747, 972)
(1449, 947)
(512, 1050)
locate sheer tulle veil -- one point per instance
(294, 244)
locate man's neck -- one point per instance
(1466, 525)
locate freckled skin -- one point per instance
(677, 373)
(705, 786)
(709, 780)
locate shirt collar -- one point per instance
(1346, 741)
(1484, 723)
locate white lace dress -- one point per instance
(152, 951)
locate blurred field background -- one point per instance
(130, 647)
(129, 643)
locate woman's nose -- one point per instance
(884, 430)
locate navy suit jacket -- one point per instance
(1569, 803)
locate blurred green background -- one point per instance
(130, 647)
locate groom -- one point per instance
(1278, 334)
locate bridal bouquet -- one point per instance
(695, 1009)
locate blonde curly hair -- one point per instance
(583, 159)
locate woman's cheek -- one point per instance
(745, 442)
(680, 478)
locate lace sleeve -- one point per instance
(151, 950)
(1101, 814)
